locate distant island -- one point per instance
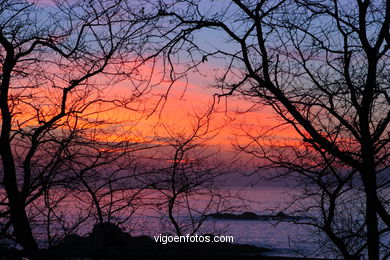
(280, 216)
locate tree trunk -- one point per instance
(19, 219)
(370, 188)
(171, 204)
(372, 223)
(16, 200)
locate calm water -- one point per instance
(285, 238)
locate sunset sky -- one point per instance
(189, 96)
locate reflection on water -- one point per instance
(70, 211)
(285, 238)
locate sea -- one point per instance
(283, 238)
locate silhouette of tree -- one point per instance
(92, 183)
(323, 67)
(56, 62)
(187, 175)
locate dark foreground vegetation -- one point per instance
(108, 241)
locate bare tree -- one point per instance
(187, 175)
(56, 62)
(330, 195)
(93, 183)
(322, 66)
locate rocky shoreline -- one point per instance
(107, 241)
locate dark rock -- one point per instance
(281, 215)
(72, 240)
(249, 215)
(242, 216)
(109, 241)
(107, 234)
